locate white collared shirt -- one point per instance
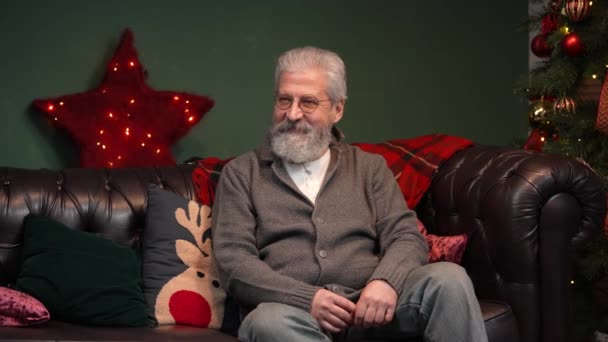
(309, 176)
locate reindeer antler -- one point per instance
(196, 222)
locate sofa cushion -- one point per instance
(180, 278)
(500, 321)
(80, 277)
(444, 248)
(20, 309)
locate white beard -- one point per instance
(304, 145)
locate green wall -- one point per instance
(414, 67)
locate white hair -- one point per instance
(308, 57)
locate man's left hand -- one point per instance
(376, 306)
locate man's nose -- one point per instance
(294, 113)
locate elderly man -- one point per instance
(313, 238)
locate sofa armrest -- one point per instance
(526, 213)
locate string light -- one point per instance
(131, 64)
(101, 131)
(103, 146)
(143, 144)
(149, 135)
(158, 151)
(176, 98)
(594, 76)
(127, 131)
(51, 108)
(191, 118)
(571, 282)
(61, 103)
(111, 115)
(132, 101)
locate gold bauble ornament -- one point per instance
(539, 112)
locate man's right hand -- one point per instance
(333, 312)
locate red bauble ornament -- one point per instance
(123, 122)
(577, 10)
(540, 47)
(549, 23)
(565, 106)
(572, 45)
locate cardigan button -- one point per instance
(323, 254)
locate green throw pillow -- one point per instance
(79, 277)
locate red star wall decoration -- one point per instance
(124, 122)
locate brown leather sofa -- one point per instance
(526, 212)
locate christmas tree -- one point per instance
(568, 114)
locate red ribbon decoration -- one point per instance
(601, 121)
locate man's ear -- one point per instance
(338, 111)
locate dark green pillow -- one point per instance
(79, 277)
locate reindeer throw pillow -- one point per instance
(180, 278)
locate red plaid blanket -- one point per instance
(412, 161)
(205, 177)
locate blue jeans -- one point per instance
(437, 302)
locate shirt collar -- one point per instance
(314, 167)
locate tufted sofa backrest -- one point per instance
(106, 202)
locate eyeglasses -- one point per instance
(307, 103)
